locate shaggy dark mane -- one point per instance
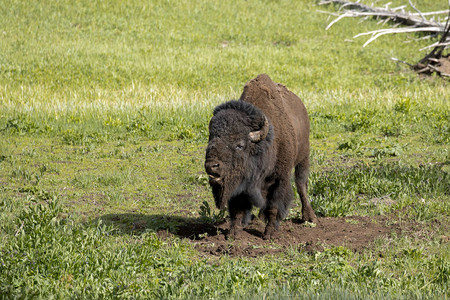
(249, 109)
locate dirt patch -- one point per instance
(356, 233)
(439, 65)
(444, 65)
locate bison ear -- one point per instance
(259, 135)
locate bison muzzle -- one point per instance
(254, 143)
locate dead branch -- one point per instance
(377, 33)
(418, 11)
(354, 9)
(433, 62)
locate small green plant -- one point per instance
(207, 215)
(22, 125)
(157, 148)
(388, 150)
(139, 124)
(391, 129)
(352, 221)
(413, 253)
(181, 132)
(80, 137)
(403, 106)
(369, 271)
(3, 158)
(198, 179)
(441, 269)
(353, 144)
(362, 119)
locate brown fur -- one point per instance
(288, 116)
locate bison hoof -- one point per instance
(234, 234)
(269, 233)
(309, 217)
(267, 237)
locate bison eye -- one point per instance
(240, 146)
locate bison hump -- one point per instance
(269, 97)
(260, 91)
(285, 112)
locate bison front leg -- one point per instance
(279, 199)
(236, 224)
(239, 208)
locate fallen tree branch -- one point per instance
(435, 61)
(390, 16)
(378, 33)
(402, 61)
(354, 9)
(438, 44)
(418, 11)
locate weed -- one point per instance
(352, 221)
(403, 106)
(78, 137)
(389, 129)
(413, 253)
(389, 150)
(369, 271)
(22, 125)
(140, 125)
(199, 179)
(3, 158)
(353, 144)
(362, 119)
(441, 270)
(207, 215)
(157, 149)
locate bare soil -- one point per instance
(356, 233)
(444, 65)
(440, 66)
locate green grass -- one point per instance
(57, 256)
(104, 110)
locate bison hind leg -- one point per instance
(301, 182)
(272, 223)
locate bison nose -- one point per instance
(212, 168)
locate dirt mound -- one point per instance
(431, 65)
(444, 65)
(355, 233)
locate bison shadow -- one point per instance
(183, 227)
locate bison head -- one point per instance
(239, 136)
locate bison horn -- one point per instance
(256, 136)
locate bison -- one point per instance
(254, 143)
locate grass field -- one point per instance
(104, 111)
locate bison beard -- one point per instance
(253, 146)
(222, 191)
